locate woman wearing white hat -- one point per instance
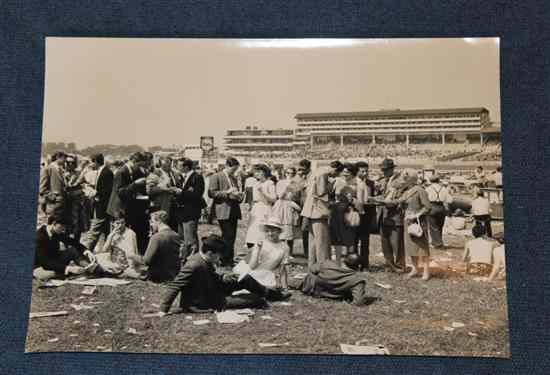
(268, 259)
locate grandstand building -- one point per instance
(441, 126)
(247, 141)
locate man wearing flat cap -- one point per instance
(390, 219)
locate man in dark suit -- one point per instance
(53, 261)
(226, 192)
(390, 220)
(100, 219)
(52, 191)
(203, 289)
(128, 187)
(367, 211)
(190, 202)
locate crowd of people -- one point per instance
(140, 220)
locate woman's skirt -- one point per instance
(417, 246)
(289, 219)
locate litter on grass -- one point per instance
(81, 306)
(457, 324)
(385, 286)
(364, 349)
(201, 322)
(47, 313)
(89, 290)
(55, 339)
(231, 317)
(266, 317)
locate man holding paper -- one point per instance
(203, 289)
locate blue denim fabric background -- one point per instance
(524, 29)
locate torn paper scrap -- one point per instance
(47, 313)
(364, 349)
(81, 306)
(201, 322)
(55, 339)
(457, 324)
(89, 290)
(385, 286)
(230, 317)
(266, 317)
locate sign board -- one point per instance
(207, 144)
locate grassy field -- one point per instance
(409, 319)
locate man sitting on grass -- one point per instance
(162, 257)
(204, 290)
(58, 255)
(328, 280)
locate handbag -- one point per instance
(352, 218)
(414, 228)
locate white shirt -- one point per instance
(438, 193)
(187, 175)
(481, 206)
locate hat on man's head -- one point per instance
(434, 178)
(213, 243)
(387, 164)
(272, 222)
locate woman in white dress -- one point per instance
(263, 197)
(268, 259)
(286, 210)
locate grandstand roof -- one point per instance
(391, 113)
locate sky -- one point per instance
(172, 91)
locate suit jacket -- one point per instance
(52, 183)
(392, 214)
(48, 252)
(316, 203)
(225, 208)
(199, 284)
(104, 187)
(191, 201)
(123, 195)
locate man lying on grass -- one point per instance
(204, 290)
(328, 280)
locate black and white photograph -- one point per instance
(271, 196)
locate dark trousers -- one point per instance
(436, 221)
(253, 300)
(229, 234)
(188, 230)
(393, 245)
(485, 221)
(305, 241)
(363, 239)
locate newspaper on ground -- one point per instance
(229, 316)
